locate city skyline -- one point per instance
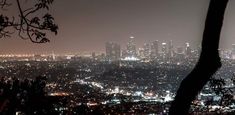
(97, 22)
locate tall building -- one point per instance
(164, 48)
(154, 49)
(93, 55)
(179, 56)
(188, 51)
(147, 50)
(53, 55)
(170, 49)
(113, 51)
(233, 51)
(141, 53)
(131, 48)
(123, 53)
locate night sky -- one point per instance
(85, 25)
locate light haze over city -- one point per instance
(85, 25)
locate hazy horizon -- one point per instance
(85, 25)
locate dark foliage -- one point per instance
(26, 96)
(27, 24)
(226, 94)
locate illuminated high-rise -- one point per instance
(164, 48)
(233, 51)
(188, 51)
(113, 51)
(141, 53)
(147, 50)
(131, 48)
(154, 49)
(170, 49)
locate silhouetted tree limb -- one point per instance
(27, 25)
(4, 3)
(209, 61)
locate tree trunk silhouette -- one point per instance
(209, 61)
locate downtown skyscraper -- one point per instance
(131, 48)
(113, 51)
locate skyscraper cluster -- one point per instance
(153, 50)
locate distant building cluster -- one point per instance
(154, 50)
